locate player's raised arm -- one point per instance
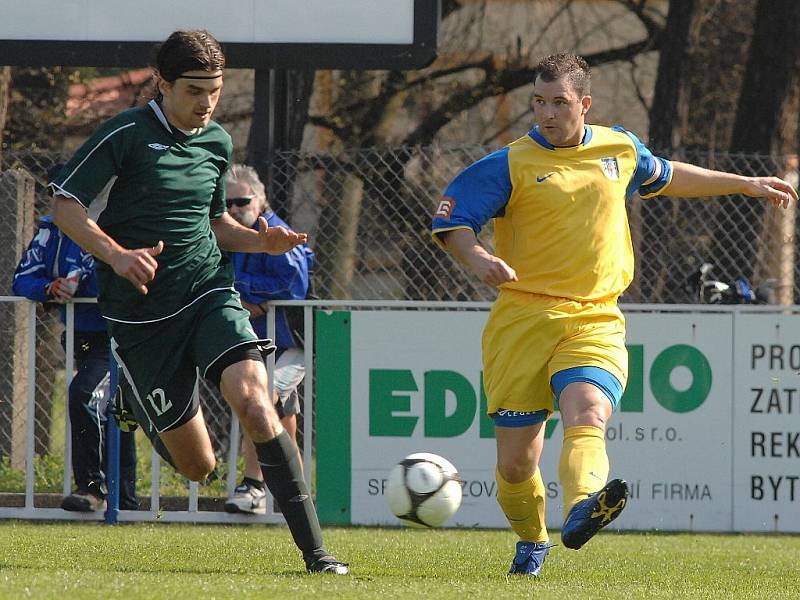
(277, 240)
(137, 266)
(465, 247)
(237, 238)
(690, 181)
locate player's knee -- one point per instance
(200, 471)
(515, 469)
(78, 400)
(199, 467)
(248, 391)
(591, 417)
(258, 417)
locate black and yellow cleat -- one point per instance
(589, 516)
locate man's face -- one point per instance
(559, 111)
(188, 102)
(245, 212)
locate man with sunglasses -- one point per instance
(259, 278)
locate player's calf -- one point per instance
(190, 448)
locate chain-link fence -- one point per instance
(368, 215)
(368, 211)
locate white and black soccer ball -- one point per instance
(424, 490)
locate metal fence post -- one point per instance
(112, 449)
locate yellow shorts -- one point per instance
(528, 338)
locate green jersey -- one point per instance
(150, 182)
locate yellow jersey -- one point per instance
(560, 216)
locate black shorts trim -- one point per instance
(249, 351)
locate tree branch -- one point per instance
(503, 81)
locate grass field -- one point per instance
(89, 560)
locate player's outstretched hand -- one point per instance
(277, 240)
(138, 266)
(493, 270)
(779, 192)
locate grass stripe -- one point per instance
(93, 561)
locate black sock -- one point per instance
(280, 464)
(256, 483)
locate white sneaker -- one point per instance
(247, 499)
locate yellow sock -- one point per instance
(583, 468)
(523, 505)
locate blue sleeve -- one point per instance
(88, 284)
(652, 174)
(283, 277)
(261, 277)
(479, 193)
(32, 275)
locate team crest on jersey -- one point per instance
(445, 208)
(610, 168)
(157, 146)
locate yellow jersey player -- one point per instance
(555, 337)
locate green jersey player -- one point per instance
(153, 175)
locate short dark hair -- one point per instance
(195, 50)
(573, 67)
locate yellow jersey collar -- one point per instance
(537, 137)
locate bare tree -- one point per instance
(672, 65)
(413, 108)
(5, 90)
(766, 123)
(36, 111)
(457, 82)
(669, 100)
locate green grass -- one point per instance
(87, 560)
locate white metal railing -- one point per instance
(193, 512)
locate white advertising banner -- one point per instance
(415, 385)
(416, 382)
(671, 438)
(766, 474)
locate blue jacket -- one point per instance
(261, 277)
(50, 255)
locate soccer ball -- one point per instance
(424, 490)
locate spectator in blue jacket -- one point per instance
(54, 269)
(260, 278)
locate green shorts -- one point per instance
(161, 361)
